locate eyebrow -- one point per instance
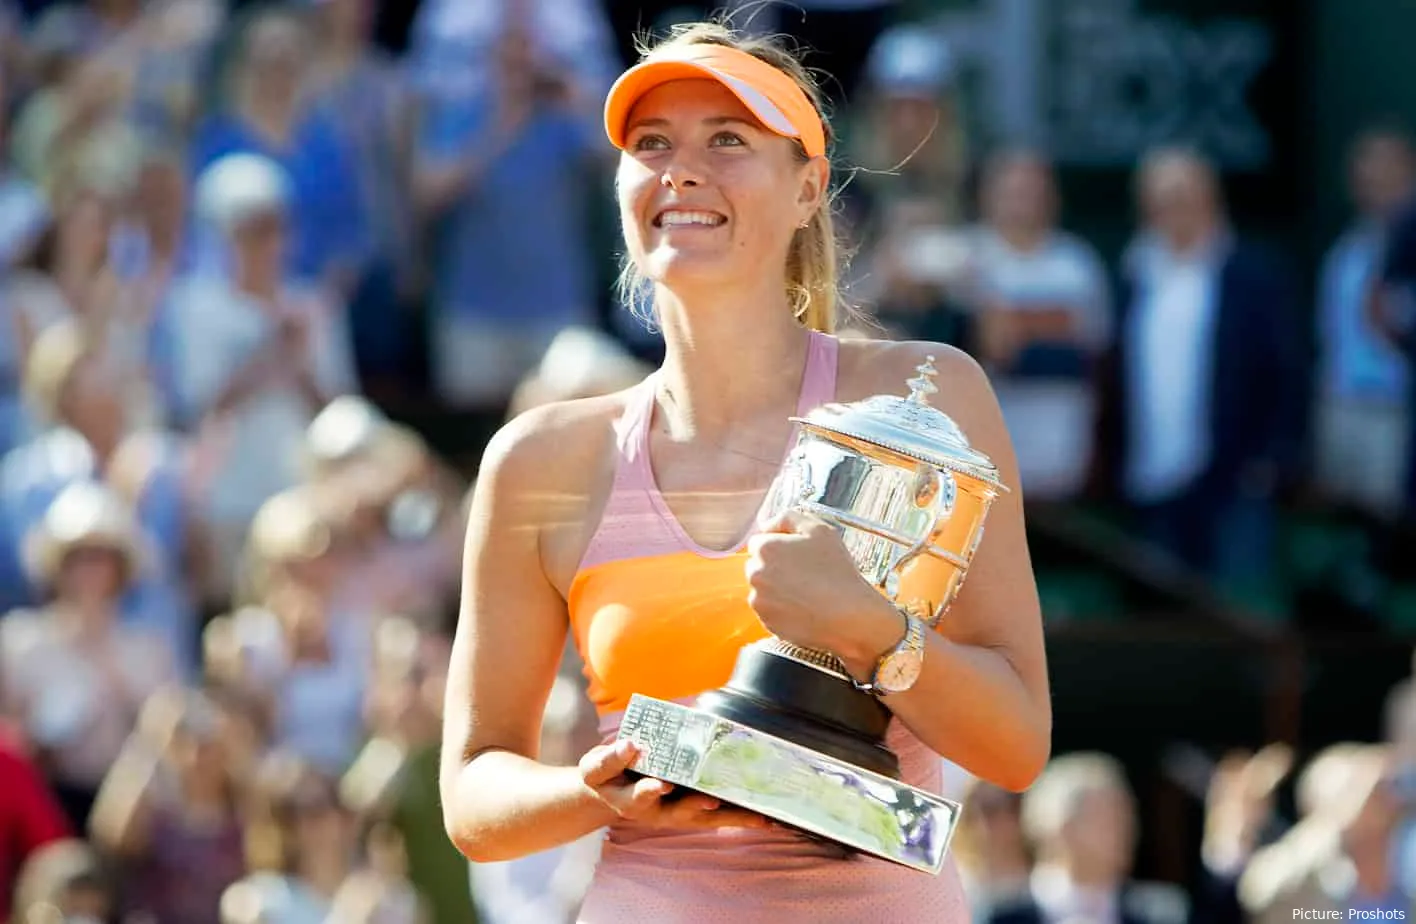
(714, 120)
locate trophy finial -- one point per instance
(922, 385)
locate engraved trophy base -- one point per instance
(784, 739)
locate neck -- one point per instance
(1088, 876)
(272, 118)
(164, 239)
(205, 797)
(1193, 245)
(1023, 238)
(757, 339)
(86, 619)
(343, 50)
(262, 285)
(325, 871)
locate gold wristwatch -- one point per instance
(899, 668)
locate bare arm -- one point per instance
(982, 699)
(499, 802)
(123, 812)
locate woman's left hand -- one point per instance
(805, 588)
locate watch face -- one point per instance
(900, 671)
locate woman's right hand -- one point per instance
(641, 801)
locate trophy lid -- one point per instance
(909, 427)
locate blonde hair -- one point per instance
(814, 260)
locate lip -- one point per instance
(657, 220)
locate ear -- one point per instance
(814, 181)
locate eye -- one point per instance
(726, 139)
(651, 143)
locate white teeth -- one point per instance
(690, 218)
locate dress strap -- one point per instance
(818, 381)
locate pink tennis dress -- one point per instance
(655, 613)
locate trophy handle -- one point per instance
(935, 491)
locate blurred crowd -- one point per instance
(234, 239)
(1328, 836)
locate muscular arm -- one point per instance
(499, 801)
(982, 700)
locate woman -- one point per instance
(724, 212)
(169, 811)
(256, 352)
(85, 552)
(301, 846)
(266, 112)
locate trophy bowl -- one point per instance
(790, 735)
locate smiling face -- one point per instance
(706, 193)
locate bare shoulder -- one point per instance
(871, 367)
(548, 472)
(551, 445)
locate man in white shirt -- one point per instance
(1208, 390)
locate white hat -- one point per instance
(84, 514)
(345, 428)
(910, 60)
(239, 187)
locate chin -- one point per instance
(680, 269)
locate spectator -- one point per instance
(994, 857)
(1338, 861)
(401, 508)
(72, 388)
(1042, 314)
(266, 113)
(24, 220)
(1080, 818)
(395, 778)
(64, 881)
(502, 175)
(30, 817)
(361, 91)
(1363, 419)
(255, 350)
(292, 649)
(916, 273)
(301, 847)
(75, 134)
(84, 552)
(912, 137)
(169, 808)
(1207, 384)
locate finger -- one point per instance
(730, 817)
(1271, 766)
(642, 798)
(788, 521)
(603, 763)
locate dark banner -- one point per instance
(1098, 82)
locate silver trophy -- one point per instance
(791, 736)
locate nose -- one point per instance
(681, 175)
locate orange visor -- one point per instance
(769, 94)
